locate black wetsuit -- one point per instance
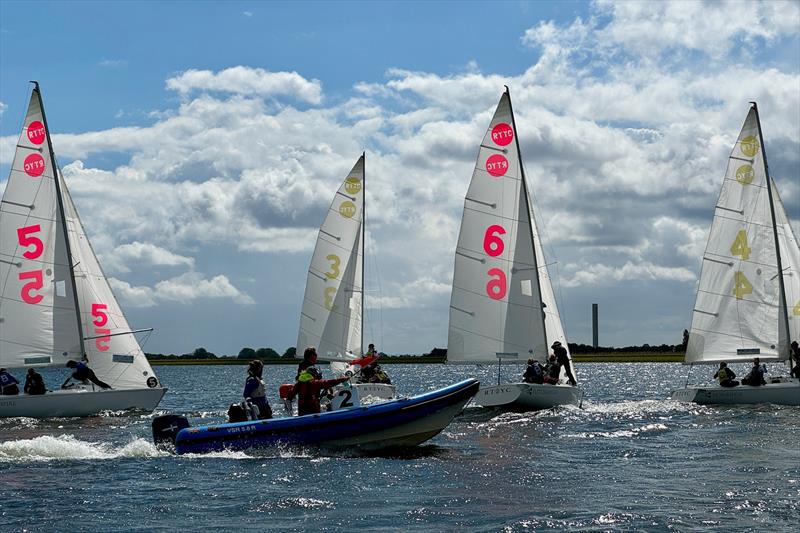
(563, 359)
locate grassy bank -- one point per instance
(609, 357)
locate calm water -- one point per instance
(629, 460)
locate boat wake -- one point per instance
(67, 447)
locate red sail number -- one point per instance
(496, 287)
(101, 319)
(35, 285)
(25, 238)
(492, 243)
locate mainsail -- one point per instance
(38, 316)
(496, 303)
(331, 316)
(55, 302)
(740, 311)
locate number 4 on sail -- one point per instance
(749, 281)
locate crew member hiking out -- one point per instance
(83, 374)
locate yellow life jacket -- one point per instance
(305, 376)
(722, 374)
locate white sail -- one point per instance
(552, 320)
(111, 349)
(790, 261)
(38, 319)
(736, 314)
(331, 315)
(496, 305)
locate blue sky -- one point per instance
(203, 141)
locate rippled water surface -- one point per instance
(629, 460)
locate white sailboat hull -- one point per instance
(79, 402)
(784, 393)
(528, 396)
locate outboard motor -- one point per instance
(166, 428)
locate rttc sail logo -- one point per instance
(502, 134)
(347, 209)
(750, 146)
(352, 185)
(36, 132)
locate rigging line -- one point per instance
(504, 150)
(118, 334)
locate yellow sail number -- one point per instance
(741, 285)
(335, 263)
(739, 246)
(330, 294)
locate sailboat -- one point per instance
(748, 297)
(331, 318)
(502, 307)
(55, 302)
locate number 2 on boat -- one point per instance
(741, 285)
(739, 246)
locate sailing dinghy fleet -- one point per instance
(56, 304)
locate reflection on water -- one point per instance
(630, 459)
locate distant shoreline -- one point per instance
(644, 357)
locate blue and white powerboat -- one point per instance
(396, 423)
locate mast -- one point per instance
(774, 233)
(60, 201)
(363, 243)
(530, 214)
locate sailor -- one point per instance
(755, 377)
(380, 376)
(254, 390)
(309, 360)
(83, 374)
(552, 371)
(8, 383)
(563, 359)
(34, 384)
(371, 351)
(308, 389)
(725, 376)
(796, 354)
(533, 372)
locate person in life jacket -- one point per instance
(725, 376)
(755, 377)
(9, 386)
(563, 360)
(371, 351)
(83, 374)
(795, 373)
(254, 390)
(380, 376)
(552, 372)
(533, 372)
(309, 360)
(34, 384)
(308, 388)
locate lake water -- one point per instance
(629, 460)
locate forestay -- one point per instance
(38, 319)
(331, 315)
(738, 307)
(496, 304)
